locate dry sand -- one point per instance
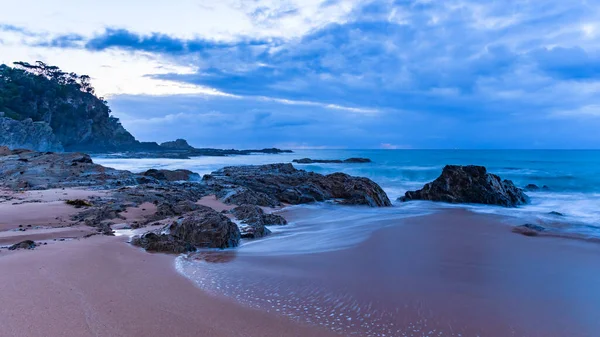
(101, 286)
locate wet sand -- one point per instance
(453, 273)
(101, 286)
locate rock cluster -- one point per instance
(470, 184)
(25, 169)
(274, 184)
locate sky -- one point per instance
(389, 74)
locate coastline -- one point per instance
(452, 271)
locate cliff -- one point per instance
(63, 103)
(28, 134)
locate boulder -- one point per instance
(172, 175)
(167, 209)
(27, 244)
(203, 228)
(274, 184)
(470, 184)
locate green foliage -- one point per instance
(64, 100)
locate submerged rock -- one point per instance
(203, 228)
(274, 184)
(529, 229)
(470, 184)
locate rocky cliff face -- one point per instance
(66, 103)
(28, 134)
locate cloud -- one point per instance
(456, 73)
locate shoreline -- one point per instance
(454, 272)
(114, 283)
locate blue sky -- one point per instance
(330, 73)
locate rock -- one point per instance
(556, 213)
(172, 175)
(27, 134)
(333, 161)
(529, 230)
(5, 151)
(78, 203)
(27, 244)
(470, 184)
(204, 228)
(25, 169)
(532, 187)
(179, 144)
(166, 209)
(254, 220)
(274, 184)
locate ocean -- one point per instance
(572, 177)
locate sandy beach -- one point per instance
(452, 273)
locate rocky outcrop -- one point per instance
(274, 184)
(254, 221)
(27, 244)
(204, 228)
(27, 134)
(172, 175)
(534, 187)
(24, 169)
(179, 144)
(332, 161)
(470, 184)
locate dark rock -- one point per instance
(78, 203)
(332, 161)
(529, 230)
(204, 228)
(172, 175)
(166, 209)
(271, 185)
(556, 213)
(179, 144)
(5, 151)
(545, 188)
(27, 244)
(24, 169)
(254, 220)
(532, 187)
(470, 184)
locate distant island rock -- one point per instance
(469, 184)
(179, 144)
(332, 161)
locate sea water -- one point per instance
(572, 177)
